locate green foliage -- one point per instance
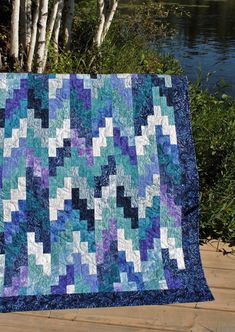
(3, 37)
(114, 59)
(151, 20)
(5, 12)
(213, 123)
(123, 42)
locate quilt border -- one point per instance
(197, 289)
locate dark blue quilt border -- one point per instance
(195, 288)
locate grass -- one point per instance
(213, 123)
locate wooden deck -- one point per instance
(216, 316)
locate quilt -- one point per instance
(98, 192)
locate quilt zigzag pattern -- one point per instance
(99, 192)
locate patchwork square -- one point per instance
(99, 192)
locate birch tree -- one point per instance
(56, 31)
(36, 26)
(28, 23)
(33, 37)
(106, 10)
(14, 46)
(25, 23)
(41, 41)
(51, 24)
(68, 22)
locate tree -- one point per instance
(41, 41)
(68, 22)
(58, 25)
(33, 38)
(37, 25)
(25, 24)
(105, 14)
(53, 25)
(14, 46)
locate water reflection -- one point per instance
(206, 39)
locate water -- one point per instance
(205, 40)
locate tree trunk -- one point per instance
(28, 23)
(68, 24)
(101, 22)
(41, 40)
(14, 47)
(105, 14)
(51, 24)
(22, 22)
(56, 31)
(109, 19)
(25, 24)
(33, 36)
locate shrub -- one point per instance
(213, 124)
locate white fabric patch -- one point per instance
(36, 249)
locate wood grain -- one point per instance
(218, 260)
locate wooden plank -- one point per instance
(215, 245)
(160, 317)
(205, 320)
(210, 246)
(141, 317)
(217, 260)
(19, 323)
(42, 313)
(219, 278)
(139, 312)
(224, 300)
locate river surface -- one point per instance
(205, 41)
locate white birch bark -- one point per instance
(33, 37)
(101, 22)
(109, 19)
(28, 23)
(14, 47)
(68, 22)
(56, 31)
(52, 19)
(22, 32)
(25, 24)
(41, 40)
(105, 18)
(51, 24)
